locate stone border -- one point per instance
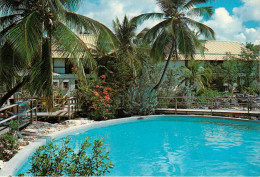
(11, 167)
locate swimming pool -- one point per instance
(186, 146)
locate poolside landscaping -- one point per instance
(81, 98)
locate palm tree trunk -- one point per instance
(50, 95)
(187, 62)
(11, 92)
(165, 69)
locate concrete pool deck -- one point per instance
(11, 167)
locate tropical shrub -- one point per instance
(59, 160)
(9, 142)
(119, 76)
(95, 99)
(8, 146)
(142, 99)
(240, 73)
(208, 97)
(14, 126)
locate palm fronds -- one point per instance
(175, 29)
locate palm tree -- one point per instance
(131, 47)
(174, 34)
(31, 28)
(195, 75)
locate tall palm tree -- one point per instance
(130, 45)
(174, 34)
(31, 28)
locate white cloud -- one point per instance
(107, 10)
(230, 28)
(224, 25)
(253, 35)
(249, 11)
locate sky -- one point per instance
(233, 20)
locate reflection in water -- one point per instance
(222, 137)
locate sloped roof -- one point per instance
(89, 40)
(217, 50)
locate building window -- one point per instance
(76, 84)
(68, 67)
(59, 65)
(56, 84)
(65, 85)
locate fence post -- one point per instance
(36, 109)
(211, 106)
(248, 106)
(31, 111)
(176, 105)
(68, 107)
(76, 102)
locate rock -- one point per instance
(1, 164)
(30, 131)
(72, 122)
(22, 142)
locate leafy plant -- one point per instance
(207, 96)
(142, 100)
(95, 99)
(8, 142)
(14, 125)
(194, 75)
(8, 146)
(55, 160)
(239, 73)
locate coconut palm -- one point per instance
(130, 45)
(174, 35)
(31, 28)
(195, 75)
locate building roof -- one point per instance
(89, 40)
(217, 50)
(214, 50)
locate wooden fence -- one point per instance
(24, 112)
(225, 105)
(63, 107)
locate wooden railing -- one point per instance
(72, 106)
(248, 104)
(66, 105)
(24, 112)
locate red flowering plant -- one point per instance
(95, 99)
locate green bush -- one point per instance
(9, 142)
(208, 95)
(141, 99)
(96, 99)
(56, 160)
(8, 146)
(14, 126)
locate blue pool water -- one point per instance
(186, 146)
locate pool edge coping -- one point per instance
(11, 167)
